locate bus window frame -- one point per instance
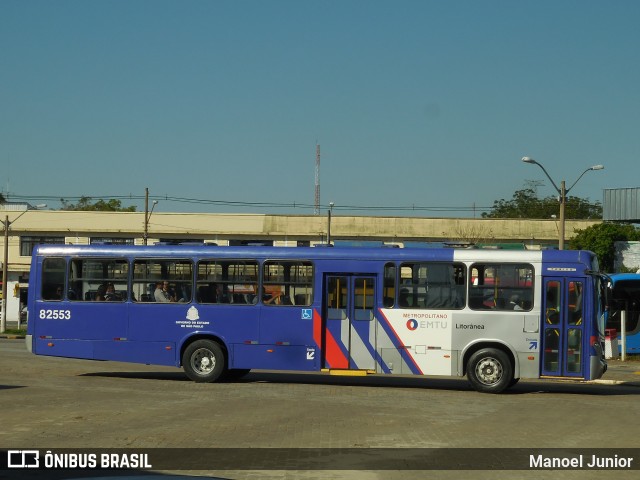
(291, 301)
(148, 281)
(226, 282)
(508, 306)
(103, 281)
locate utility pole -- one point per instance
(5, 265)
(3, 320)
(316, 209)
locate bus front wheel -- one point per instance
(489, 370)
(203, 361)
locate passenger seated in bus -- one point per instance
(101, 293)
(204, 294)
(239, 298)
(514, 303)
(162, 293)
(403, 298)
(285, 300)
(221, 293)
(111, 295)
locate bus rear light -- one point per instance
(283, 343)
(44, 337)
(250, 342)
(593, 340)
(119, 339)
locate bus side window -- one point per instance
(98, 279)
(287, 283)
(53, 278)
(389, 285)
(149, 275)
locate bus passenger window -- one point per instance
(432, 285)
(98, 280)
(173, 279)
(287, 283)
(53, 278)
(501, 286)
(232, 282)
(389, 285)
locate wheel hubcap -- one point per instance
(489, 371)
(203, 361)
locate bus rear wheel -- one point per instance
(489, 370)
(203, 361)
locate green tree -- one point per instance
(85, 204)
(526, 204)
(601, 238)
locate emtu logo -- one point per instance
(412, 324)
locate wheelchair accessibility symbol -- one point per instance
(307, 314)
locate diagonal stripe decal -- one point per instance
(333, 354)
(404, 352)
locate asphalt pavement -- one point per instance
(622, 373)
(618, 372)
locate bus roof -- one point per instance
(341, 252)
(616, 277)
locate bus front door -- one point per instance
(349, 334)
(563, 342)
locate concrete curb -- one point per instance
(614, 382)
(12, 337)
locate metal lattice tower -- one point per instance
(316, 209)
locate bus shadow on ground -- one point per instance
(11, 387)
(379, 381)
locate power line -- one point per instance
(262, 205)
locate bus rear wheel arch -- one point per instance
(204, 361)
(490, 370)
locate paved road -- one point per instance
(51, 402)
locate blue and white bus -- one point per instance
(218, 312)
(625, 296)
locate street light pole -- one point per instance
(5, 267)
(5, 271)
(331, 204)
(562, 192)
(147, 215)
(563, 203)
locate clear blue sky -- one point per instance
(426, 103)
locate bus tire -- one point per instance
(203, 361)
(489, 370)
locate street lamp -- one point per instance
(5, 266)
(147, 215)
(562, 191)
